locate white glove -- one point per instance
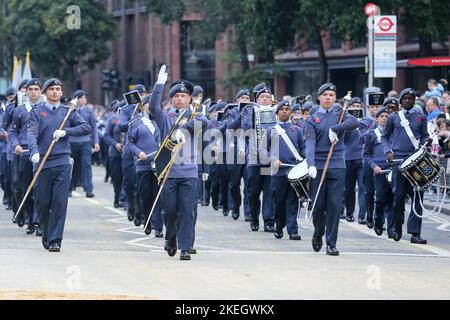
(35, 158)
(59, 134)
(312, 172)
(179, 136)
(205, 176)
(232, 145)
(333, 136)
(162, 76)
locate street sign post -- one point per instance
(370, 10)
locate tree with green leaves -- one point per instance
(57, 48)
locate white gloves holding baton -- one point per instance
(333, 136)
(59, 134)
(162, 76)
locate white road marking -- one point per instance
(370, 232)
(76, 194)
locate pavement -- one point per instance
(104, 256)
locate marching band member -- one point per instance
(81, 146)
(113, 138)
(53, 183)
(291, 148)
(374, 156)
(259, 181)
(143, 139)
(354, 170)
(19, 142)
(128, 166)
(398, 144)
(178, 195)
(320, 132)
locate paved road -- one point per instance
(105, 254)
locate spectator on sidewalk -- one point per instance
(435, 89)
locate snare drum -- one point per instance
(298, 178)
(421, 169)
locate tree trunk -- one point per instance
(243, 52)
(322, 59)
(425, 46)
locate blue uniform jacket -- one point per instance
(43, 123)
(113, 136)
(374, 151)
(88, 115)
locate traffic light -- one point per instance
(106, 79)
(110, 79)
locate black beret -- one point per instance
(282, 104)
(242, 92)
(407, 91)
(355, 100)
(10, 91)
(197, 90)
(391, 100)
(113, 103)
(307, 106)
(382, 110)
(50, 83)
(260, 89)
(78, 94)
(327, 86)
(140, 88)
(296, 107)
(181, 86)
(337, 106)
(23, 83)
(33, 82)
(220, 106)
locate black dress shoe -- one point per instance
(332, 251)
(192, 251)
(184, 255)
(54, 247)
(254, 226)
(106, 179)
(215, 207)
(171, 247)
(295, 236)
(38, 230)
(391, 235)
(362, 221)
(317, 244)
(90, 195)
(45, 244)
(397, 235)
(225, 213)
(248, 219)
(130, 216)
(350, 218)
(21, 222)
(378, 230)
(137, 221)
(30, 229)
(70, 194)
(278, 233)
(269, 228)
(8, 208)
(235, 215)
(418, 240)
(370, 224)
(159, 234)
(342, 216)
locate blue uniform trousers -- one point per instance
(15, 179)
(224, 186)
(354, 173)
(213, 184)
(384, 201)
(129, 185)
(326, 213)
(6, 180)
(247, 210)
(52, 191)
(25, 176)
(235, 173)
(147, 187)
(178, 210)
(286, 204)
(257, 184)
(82, 157)
(369, 189)
(401, 187)
(115, 171)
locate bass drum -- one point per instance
(298, 178)
(421, 170)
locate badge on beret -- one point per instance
(43, 114)
(332, 87)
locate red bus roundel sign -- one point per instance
(371, 9)
(385, 24)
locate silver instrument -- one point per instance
(264, 117)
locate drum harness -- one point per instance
(308, 215)
(438, 208)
